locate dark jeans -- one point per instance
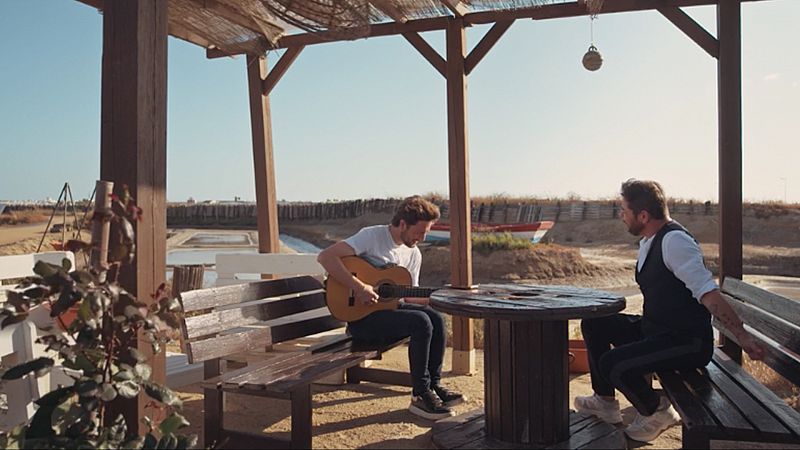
(426, 329)
(634, 357)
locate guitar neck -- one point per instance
(387, 291)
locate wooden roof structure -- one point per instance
(134, 121)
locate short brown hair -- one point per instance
(413, 209)
(645, 195)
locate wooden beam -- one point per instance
(575, 9)
(133, 147)
(729, 99)
(263, 162)
(458, 167)
(388, 7)
(457, 7)
(427, 51)
(382, 29)
(692, 29)
(489, 39)
(280, 69)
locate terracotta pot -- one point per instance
(578, 358)
(65, 319)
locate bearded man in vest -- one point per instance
(674, 332)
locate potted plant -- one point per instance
(97, 346)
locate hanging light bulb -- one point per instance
(592, 60)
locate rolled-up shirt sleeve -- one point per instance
(683, 257)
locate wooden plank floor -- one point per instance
(469, 431)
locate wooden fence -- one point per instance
(244, 214)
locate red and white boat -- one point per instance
(533, 231)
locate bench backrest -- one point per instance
(774, 319)
(229, 265)
(221, 321)
(18, 266)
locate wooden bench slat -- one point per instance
(725, 413)
(218, 381)
(774, 327)
(218, 321)
(268, 373)
(754, 411)
(334, 363)
(293, 305)
(774, 356)
(776, 304)
(229, 295)
(693, 412)
(783, 412)
(303, 324)
(219, 346)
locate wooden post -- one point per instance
(729, 93)
(133, 152)
(261, 127)
(186, 278)
(101, 227)
(458, 163)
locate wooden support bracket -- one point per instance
(489, 39)
(692, 29)
(280, 68)
(427, 51)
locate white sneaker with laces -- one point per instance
(648, 428)
(594, 405)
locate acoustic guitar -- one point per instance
(390, 283)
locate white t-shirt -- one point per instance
(375, 244)
(684, 259)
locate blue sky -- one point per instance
(368, 118)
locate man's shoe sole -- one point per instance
(605, 418)
(429, 415)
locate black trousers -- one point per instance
(427, 331)
(622, 357)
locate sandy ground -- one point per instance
(375, 416)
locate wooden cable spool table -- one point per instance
(525, 357)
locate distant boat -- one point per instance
(533, 231)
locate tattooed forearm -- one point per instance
(720, 309)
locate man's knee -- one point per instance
(421, 323)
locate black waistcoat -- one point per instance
(668, 304)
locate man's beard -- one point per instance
(636, 228)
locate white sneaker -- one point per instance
(594, 405)
(647, 428)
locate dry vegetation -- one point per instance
(23, 217)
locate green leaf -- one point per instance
(66, 264)
(173, 423)
(55, 398)
(66, 415)
(162, 393)
(143, 371)
(11, 320)
(186, 442)
(150, 441)
(124, 375)
(81, 277)
(136, 442)
(107, 392)
(167, 442)
(39, 366)
(128, 389)
(137, 355)
(44, 269)
(87, 388)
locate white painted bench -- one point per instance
(17, 342)
(232, 265)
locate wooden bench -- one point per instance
(722, 401)
(221, 321)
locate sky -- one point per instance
(368, 118)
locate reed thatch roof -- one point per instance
(255, 26)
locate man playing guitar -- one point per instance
(396, 244)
